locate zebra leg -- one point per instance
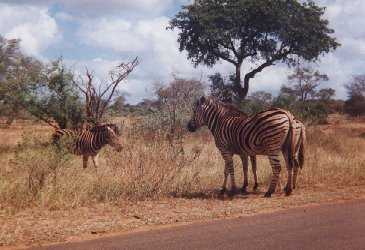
(288, 188)
(276, 168)
(296, 169)
(95, 161)
(254, 171)
(244, 159)
(85, 159)
(224, 186)
(229, 170)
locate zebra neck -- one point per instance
(100, 140)
(212, 118)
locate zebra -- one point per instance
(231, 111)
(300, 138)
(266, 133)
(88, 142)
(300, 135)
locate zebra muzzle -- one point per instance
(191, 126)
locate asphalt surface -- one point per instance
(339, 226)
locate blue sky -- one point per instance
(99, 34)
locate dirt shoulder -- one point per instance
(37, 227)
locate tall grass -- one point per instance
(40, 174)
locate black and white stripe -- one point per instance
(266, 133)
(88, 142)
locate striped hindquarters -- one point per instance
(266, 132)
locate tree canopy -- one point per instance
(262, 32)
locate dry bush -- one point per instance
(334, 159)
(35, 166)
(45, 176)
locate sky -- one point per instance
(100, 34)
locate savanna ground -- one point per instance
(46, 196)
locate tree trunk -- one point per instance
(240, 91)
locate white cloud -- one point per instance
(115, 34)
(34, 26)
(156, 47)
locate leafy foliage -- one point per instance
(220, 89)
(260, 31)
(256, 102)
(62, 100)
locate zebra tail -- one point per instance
(291, 140)
(301, 154)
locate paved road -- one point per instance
(340, 226)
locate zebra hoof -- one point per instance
(244, 190)
(288, 191)
(233, 192)
(222, 191)
(267, 195)
(255, 187)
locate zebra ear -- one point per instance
(202, 99)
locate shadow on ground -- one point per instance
(215, 194)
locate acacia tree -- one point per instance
(326, 94)
(304, 83)
(262, 32)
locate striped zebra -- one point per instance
(266, 133)
(88, 142)
(231, 111)
(300, 137)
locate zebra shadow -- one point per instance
(215, 194)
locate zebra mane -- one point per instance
(229, 109)
(105, 126)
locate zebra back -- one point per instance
(89, 141)
(262, 133)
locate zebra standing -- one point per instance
(266, 133)
(300, 137)
(231, 111)
(88, 142)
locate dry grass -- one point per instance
(35, 176)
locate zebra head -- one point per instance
(112, 136)
(197, 120)
(115, 140)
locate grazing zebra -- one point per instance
(266, 133)
(88, 142)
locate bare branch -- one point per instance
(98, 98)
